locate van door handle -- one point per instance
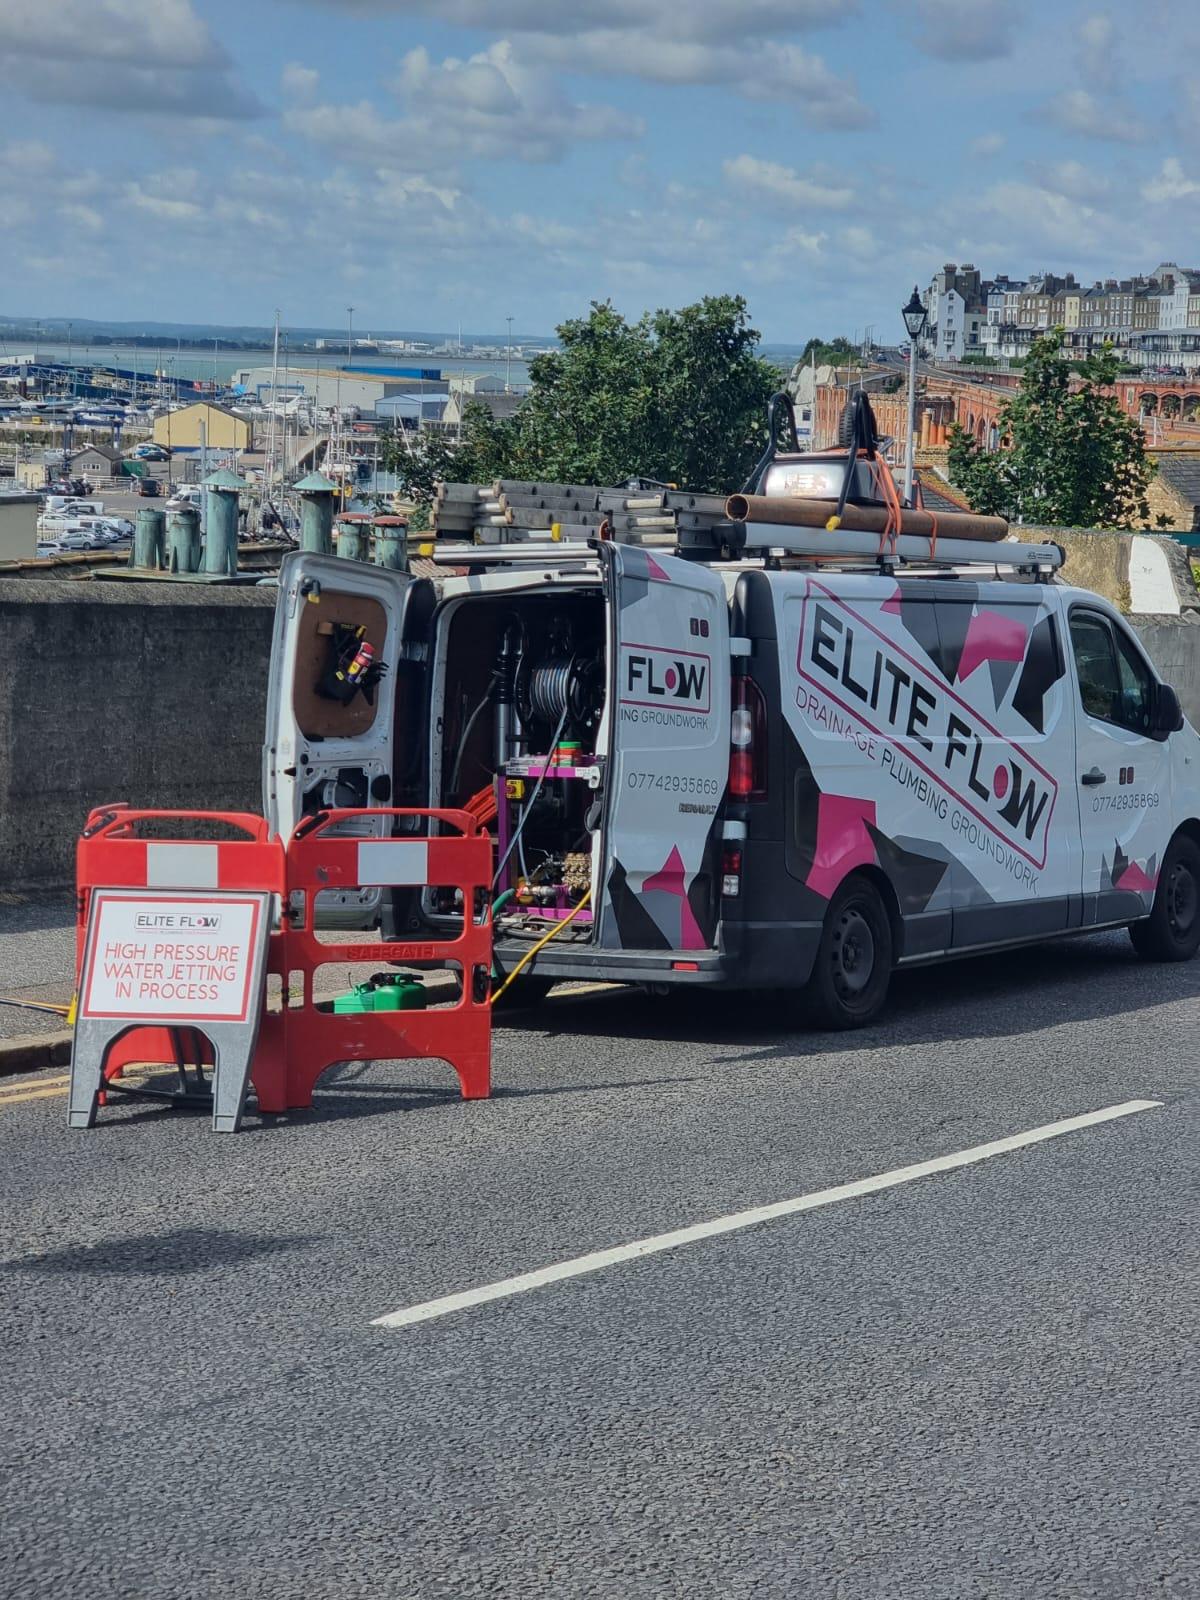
(1094, 777)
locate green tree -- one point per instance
(837, 352)
(420, 461)
(1072, 458)
(678, 396)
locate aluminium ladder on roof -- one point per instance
(770, 541)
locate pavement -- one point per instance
(979, 1382)
(37, 962)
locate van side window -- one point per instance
(1137, 687)
(1114, 683)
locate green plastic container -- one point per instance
(361, 998)
(399, 994)
(384, 992)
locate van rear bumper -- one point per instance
(749, 955)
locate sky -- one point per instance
(442, 162)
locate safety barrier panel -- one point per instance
(298, 1043)
(156, 910)
(269, 893)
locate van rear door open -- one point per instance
(330, 743)
(668, 716)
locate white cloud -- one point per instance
(298, 81)
(1172, 183)
(965, 30)
(987, 144)
(165, 33)
(132, 56)
(1033, 218)
(1072, 179)
(1078, 111)
(713, 21)
(491, 107)
(740, 45)
(1097, 42)
(766, 71)
(76, 215)
(783, 184)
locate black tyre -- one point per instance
(850, 977)
(1172, 930)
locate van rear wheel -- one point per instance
(1172, 930)
(849, 983)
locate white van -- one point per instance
(773, 772)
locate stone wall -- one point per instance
(1174, 646)
(153, 693)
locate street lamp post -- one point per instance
(508, 358)
(914, 322)
(349, 336)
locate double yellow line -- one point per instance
(12, 1094)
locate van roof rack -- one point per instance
(509, 522)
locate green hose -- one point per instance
(497, 904)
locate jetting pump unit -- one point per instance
(545, 694)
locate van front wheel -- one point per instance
(1172, 930)
(850, 977)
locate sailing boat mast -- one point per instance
(269, 469)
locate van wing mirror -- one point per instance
(1168, 713)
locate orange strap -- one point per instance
(889, 494)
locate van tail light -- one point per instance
(747, 741)
(731, 871)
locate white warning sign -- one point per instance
(176, 957)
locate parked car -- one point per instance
(149, 452)
(187, 494)
(146, 486)
(82, 539)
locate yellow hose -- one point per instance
(545, 939)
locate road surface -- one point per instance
(979, 1381)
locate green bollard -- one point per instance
(221, 533)
(183, 540)
(316, 513)
(391, 543)
(148, 539)
(352, 537)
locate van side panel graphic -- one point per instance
(903, 697)
(911, 714)
(670, 761)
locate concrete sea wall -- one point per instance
(146, 692)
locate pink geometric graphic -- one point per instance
(1135, 878)
(671, 879)
(893, 605)
(655, 571)
(991, 637)
(843, 842)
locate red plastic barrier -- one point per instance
(297, 1044)
(113, 854)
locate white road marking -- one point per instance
(599, 1259)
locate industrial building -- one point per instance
(331, 386)
(222, 429)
